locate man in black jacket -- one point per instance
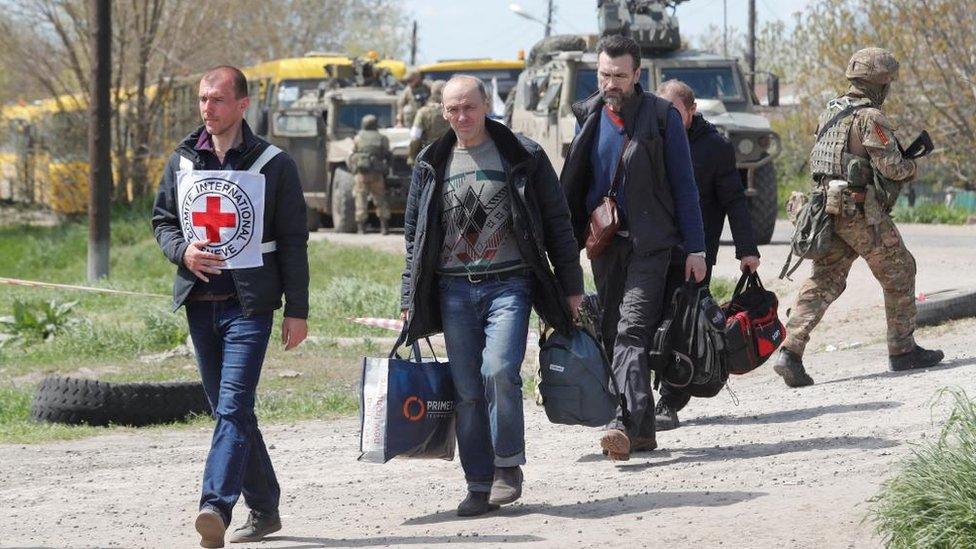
(721, 193)
(231, 215)
(484, 218)
(631, 145)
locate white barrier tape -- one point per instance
(35, 284)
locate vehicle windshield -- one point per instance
(707, 82)
(295, 125)
(290, 90)
(586, 83)
(349, 117)
(506, 78)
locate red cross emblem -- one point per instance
(214, 219)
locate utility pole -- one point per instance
(413, 45)
(549, 19)
(725, 28)
(99, 141)
(752, 44)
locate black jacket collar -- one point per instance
(511, 149)
(251, 148)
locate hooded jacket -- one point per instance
(284, 271)
(540, 221)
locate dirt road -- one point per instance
(782, 468)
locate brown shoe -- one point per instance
(210, 525)
(616, 445)
(643, 444)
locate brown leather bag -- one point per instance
(605, 219)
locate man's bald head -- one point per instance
(222, 72)
(466, 107)
(462, 84)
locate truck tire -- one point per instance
(343, 202)
(313, 219)
(946, 305)
(75, 401)
(763, 205)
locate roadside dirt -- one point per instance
(780, 468)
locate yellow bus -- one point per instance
(504, 71)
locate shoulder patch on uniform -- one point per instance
(881, 134)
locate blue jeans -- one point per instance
(485, 326)
(230, 349)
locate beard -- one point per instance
(615, 97)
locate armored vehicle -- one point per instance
(561, 70)
(316, 124)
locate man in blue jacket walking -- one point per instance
(634, 142)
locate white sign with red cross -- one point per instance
(227, 208)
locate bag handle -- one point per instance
(415, 354)
(741, 285)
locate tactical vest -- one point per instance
(370, 155)
(830, 157)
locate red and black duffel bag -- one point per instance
(753, 330)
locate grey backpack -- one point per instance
(577, 384)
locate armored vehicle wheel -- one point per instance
(313, 219)
(946, 305)
(75, 401)
(763, 205)
(343, 203)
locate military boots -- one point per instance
(916, 358)
(790, 367)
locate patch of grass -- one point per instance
(721, 288)
(931, 213)
(931, 502)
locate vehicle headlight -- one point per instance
(746, 146)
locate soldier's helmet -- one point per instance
(873, 65)
(437, 91)
(370, 122)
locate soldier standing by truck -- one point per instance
(429, 124)
(857, 158)
(414, 95)
(370, 160)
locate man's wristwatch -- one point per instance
(699, 254)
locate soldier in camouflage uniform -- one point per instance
(857, 144)
(369, 161)
(414, 95)
(429, 124)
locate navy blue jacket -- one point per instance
(721, 190)
(285, 270)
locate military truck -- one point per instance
(561, 70)
(316, 126)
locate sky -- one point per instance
(460, 29)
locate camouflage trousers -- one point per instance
(370, 184)
(892, 264)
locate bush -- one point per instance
(932, 500)
(931, 213)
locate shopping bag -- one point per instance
(406, 408)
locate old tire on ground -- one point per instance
(763, 205)
(75, 401)
(946, 305)
(343, 202)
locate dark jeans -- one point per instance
(485, 328)
(631, 289)
(230, 349)
(674, 397)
